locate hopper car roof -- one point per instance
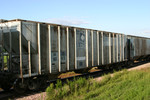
(58, 25)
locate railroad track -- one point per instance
(5, 95)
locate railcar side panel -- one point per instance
(106, 48)
(132, 48)
(63, 48)
(116, 48)
(44, 48)
(95, 60)
(103, 47)
(71, 49)
(119, 47)
(125, 48)
(148, 47)
(54, 49)
(29, 31)
(144, 46)
(122, 51)
(81, 47)
(112, 47)
(140, 47)
(89, 48)
(100, 48)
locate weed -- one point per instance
(50, 92)
(123, 85)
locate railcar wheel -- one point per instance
(6, 87)
(148, 59)
(33, 85)
(129, 64)
(20, 87)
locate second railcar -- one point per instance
(139, 48)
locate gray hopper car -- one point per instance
(33, 52)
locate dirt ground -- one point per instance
(130, 69)
(42, 96)
(38, 96)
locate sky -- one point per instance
(121, 16)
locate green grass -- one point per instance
(124, 85)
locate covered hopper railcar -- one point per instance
(138, 48)
(33, 52)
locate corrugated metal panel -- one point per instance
(112, 48)
(29, 30)
(81, 47)
(122, 47)
(89, 48)
(125, 47)
(44, 48)
(144, 46)
(140, 47)
(148, 46)
(92, 48)
(106, 48)
(54, 49)
(100, 47)
(116, 48)
(71, 49)
(133, 47)
(119, 49)
(136, 42)
(95, 48)
(63, 48)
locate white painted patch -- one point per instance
(80, 58)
